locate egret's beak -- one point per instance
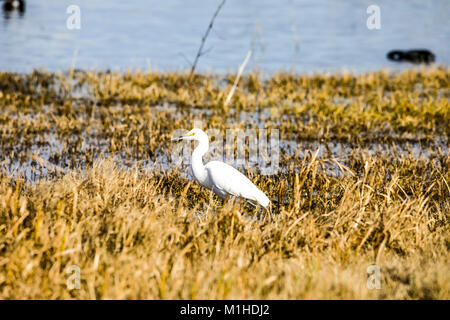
(178, 138)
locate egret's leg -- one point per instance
(268, 213)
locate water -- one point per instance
(48, 154)
(299, 36)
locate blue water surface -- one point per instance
(300, 36)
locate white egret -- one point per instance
(221, 178)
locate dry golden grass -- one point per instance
(138, 231)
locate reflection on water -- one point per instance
(165, 35)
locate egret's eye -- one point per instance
(192, 134)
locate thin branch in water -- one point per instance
(200, 50)
(240, 70)
(207, 50)
(185, 58)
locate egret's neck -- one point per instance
(197, 163)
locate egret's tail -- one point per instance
(262, 199)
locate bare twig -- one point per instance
(200, 50)
(240, 70)
(72, 69)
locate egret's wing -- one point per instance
(227, 179)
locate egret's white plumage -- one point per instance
(221, 178)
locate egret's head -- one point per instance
(194, 134)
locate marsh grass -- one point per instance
(140, 231)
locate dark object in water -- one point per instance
(12, 5)
(414, 56)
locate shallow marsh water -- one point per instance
(57, 154)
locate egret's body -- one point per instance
(221, 178)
